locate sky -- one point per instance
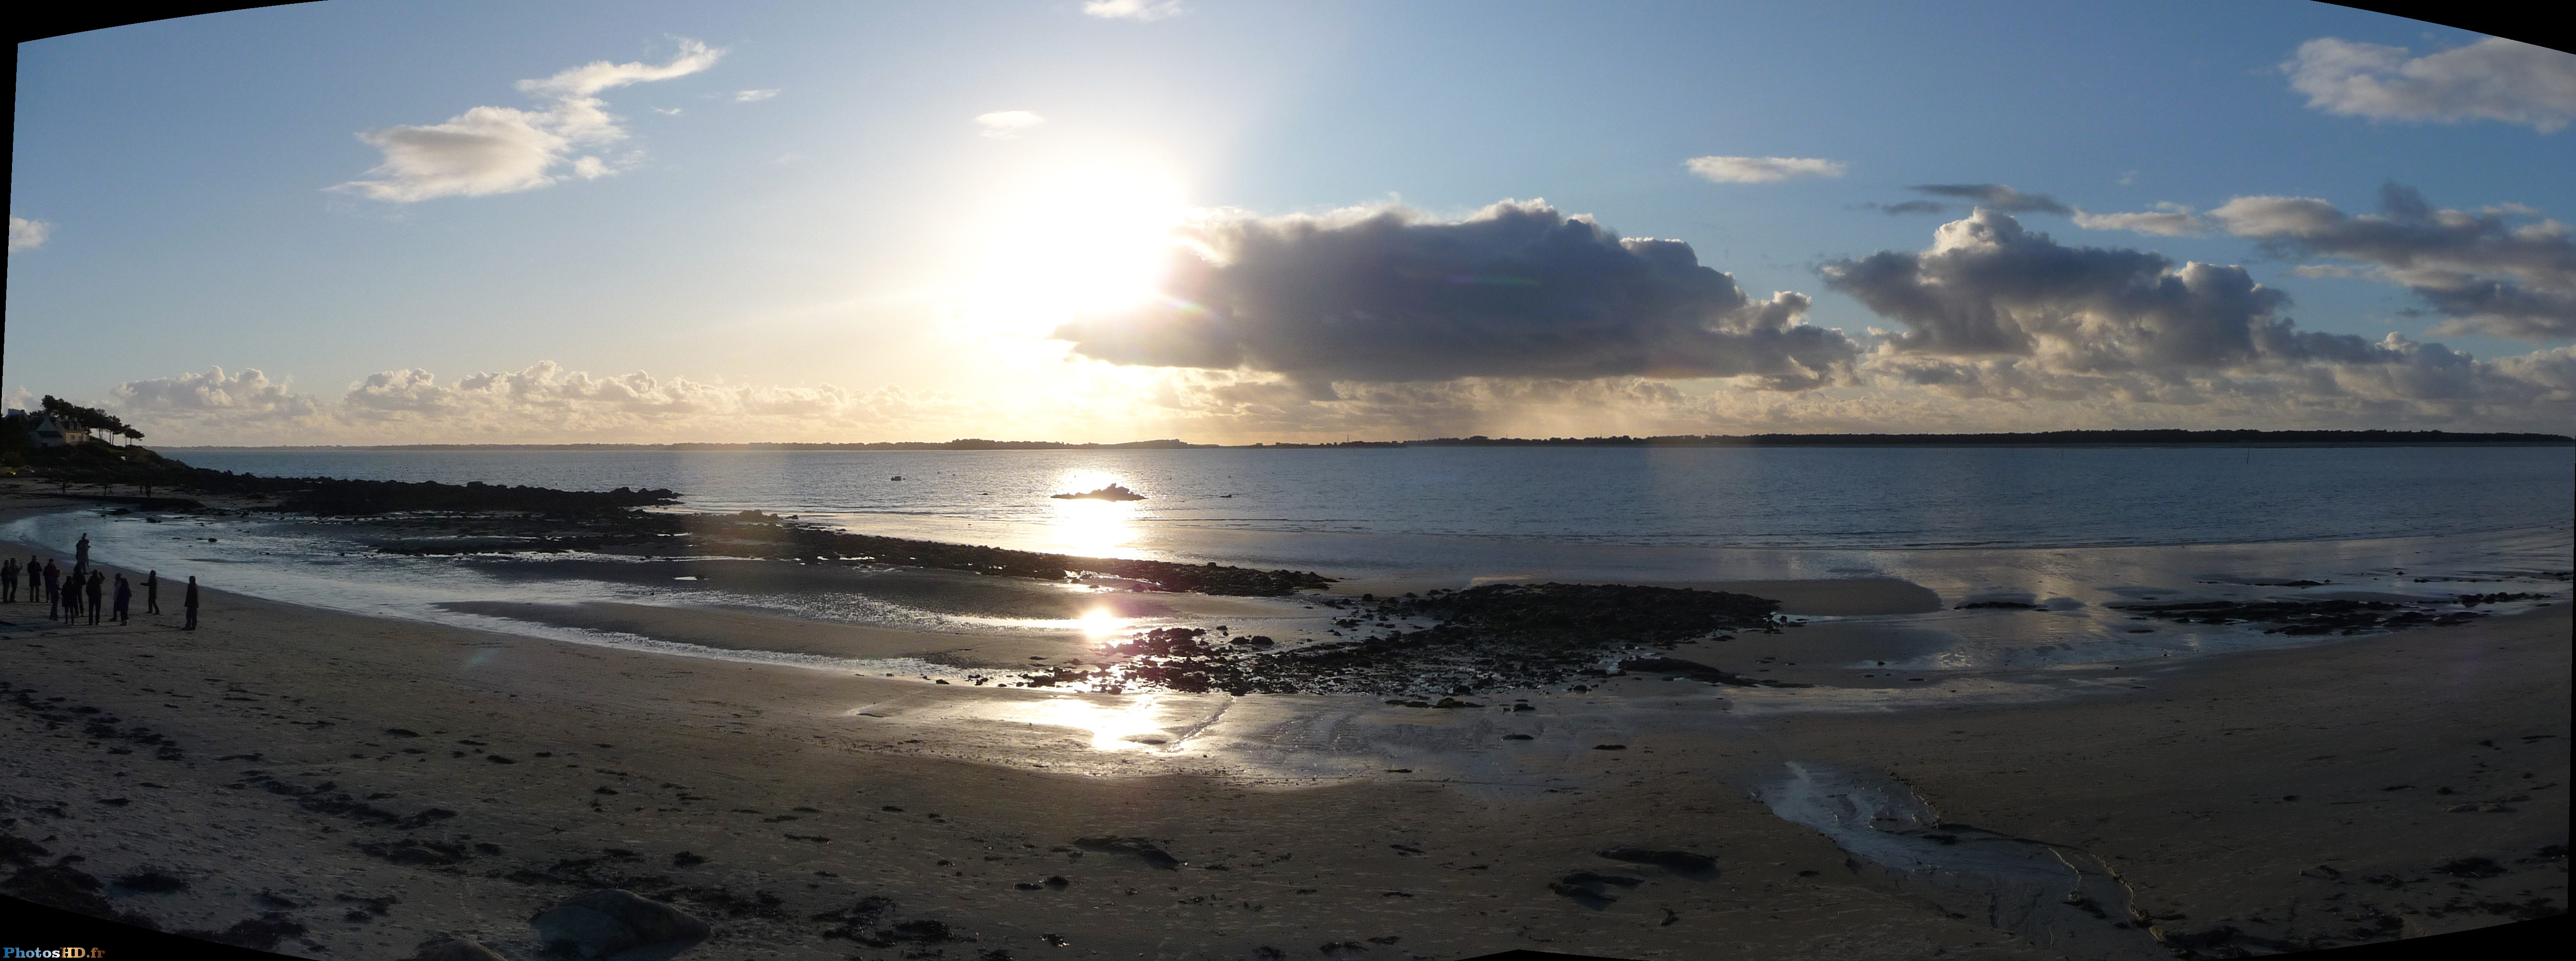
(360, 222)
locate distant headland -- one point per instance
(2055, 438)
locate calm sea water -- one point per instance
(1850, 498)
(2080, 529)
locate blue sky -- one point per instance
(809, 235)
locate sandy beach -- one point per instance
(355, 787)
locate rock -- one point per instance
(1589, 889)
(458, 949)
(1143, 848)
(1678, 862)
(609, 920)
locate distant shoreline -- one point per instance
(2067, 438)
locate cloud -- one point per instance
(753, 96)
(1998, 197)
(1912, 207)
(541, 403)
(1760, 170)
(2492, 79)
(1007, 124)
(1994, 311)
(492, 150)
(213, 395)
(2167, 220)
(1132, 9)
(1389, 295)
(26, 234)
(2492, 271)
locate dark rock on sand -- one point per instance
(151, 882)
(604, 922)
(1144, 849)
(1494, 637)
(1591, 890)
(458, 949)
(2303, 617)
(59, 885)
(258, 934)
(1694, 670)
(1683, 863)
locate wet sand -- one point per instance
(307, 749)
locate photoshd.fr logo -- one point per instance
(52, 953)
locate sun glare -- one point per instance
(1100, 624)
(1070, 239)
(1085, 527)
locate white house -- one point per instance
(48, 430)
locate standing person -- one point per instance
(97, 587)
(9, 581)
(190, 602)
(124, 600)
(72, 582)
(152, 592)
(80, 553)
(35, 583)
(53, 592)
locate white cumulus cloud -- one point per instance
(1007, 124)
(1132, 9)
(26, 234)
(2492, 79)
(753, 96)
(492, 150)
(1758, 170)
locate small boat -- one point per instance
(896, 477)
(1112, 492)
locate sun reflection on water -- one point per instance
(1122, 727)
(1090, 528)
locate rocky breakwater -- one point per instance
(753, 534)
(1447, 644)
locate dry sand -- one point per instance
(309, 753)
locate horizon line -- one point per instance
(2372, 436)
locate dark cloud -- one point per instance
(1997, 197)
(1913, 207)
(1390, 295)
(2498, 271)
(1994, 310)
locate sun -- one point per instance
(1071, 238)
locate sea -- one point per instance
(2071, 530)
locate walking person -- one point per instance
(124, 601)
(53, 592)
(97, 588)
(152, 592)
(190, 602)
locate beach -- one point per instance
(350, 786)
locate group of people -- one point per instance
(67, 594)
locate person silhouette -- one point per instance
(35, 579)
(53, 592)
(97, 587)
(80, 553)
(152, 592)
(190, 602)
(8, 580)
(124, 600)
